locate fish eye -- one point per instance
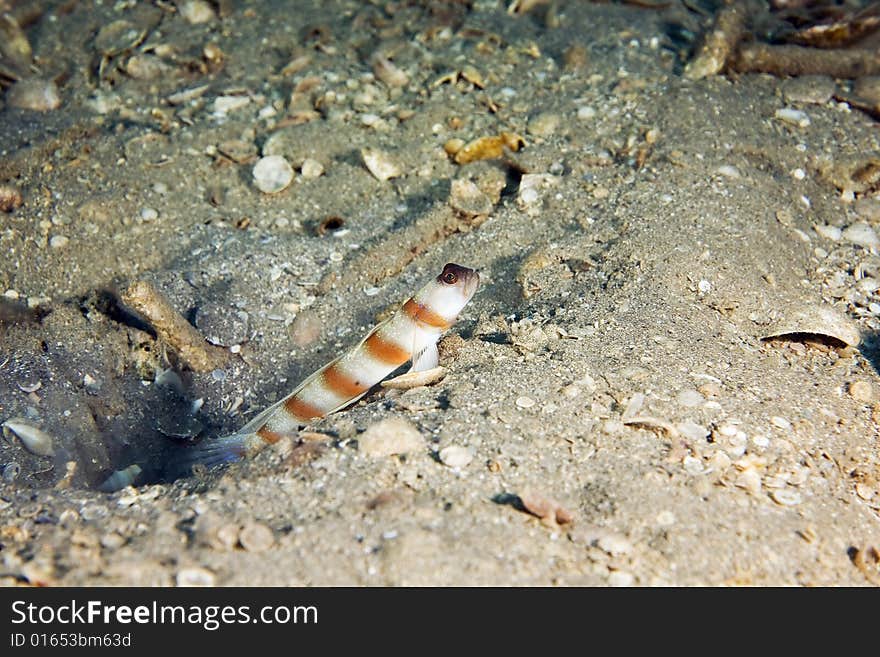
(450, 278)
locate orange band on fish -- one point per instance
(420, 313)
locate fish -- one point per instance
(409, 335)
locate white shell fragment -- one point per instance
(793, 116)
(815, 320)
(786, 497)
(272, 174)
(380, 164)
(120, 479)
(35, 440)
(456, 456)
(415, 379)
(861, 234)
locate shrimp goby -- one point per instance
(411, 334)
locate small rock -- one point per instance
(113, 541)
(272, 174)
(393, 435)
(380, 164)
(793, 116)
(780, 422)
(456, 456)
(666, 518)
(465, 197)
(729, 171)
(693, 465)
(620, 578)
(546, 508)
(614, 544)
(692, 431)
(812, 89)
(311, 168)
(196, 11)
(146, 67)
(58, 241)
(829, 232)
(861, 391)
(34, 94)
(710, 389)
(195, 577)
(149, 214)
(10, 198)
(585, 113)
(222, 105)
(861, 234)
(749, 480)
(256, 537)
(544, 124)
(525, 402)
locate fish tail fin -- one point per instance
(214, 451)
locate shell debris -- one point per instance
(487, 148)
(121, 479)
(415, 379)
(35, 440)
(380, 164)
(867, 560)
(821, 321)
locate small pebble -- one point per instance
(693, 465)
(256, 537)
(621, 578)
(311, 168)
(195, 577)
(571, 391)
(760, 440)
(861, 391)
(544, 124)
(33, 94)
(729, 171)
(525, 402)
(710, 389)
(586, 113)
(812, 89)
(793, 116)
(665, 518)
(829, 232)
(112, 541)
(380, 164)
(149, 214)
(749, 480)
(614, 544)
(861, 234)
(456, 456)
(10, 198)
(780, 422)
(272, 174)
(58, 241)
(196, 11)
(393, 435)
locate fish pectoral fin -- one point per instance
(426, 359)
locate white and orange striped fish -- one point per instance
(411, 334)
